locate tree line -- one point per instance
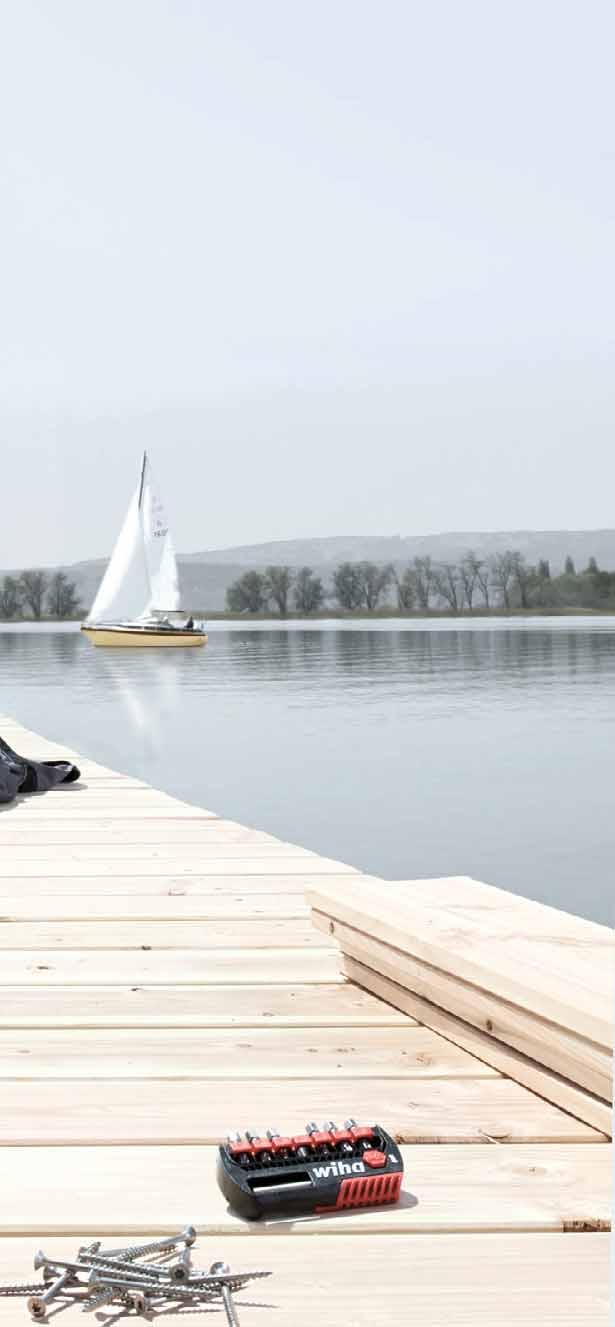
(505, 582)
(35, 594)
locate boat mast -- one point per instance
(143, 465)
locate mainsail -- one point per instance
(141, 579)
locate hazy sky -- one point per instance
(344, 267)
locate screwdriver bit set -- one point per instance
(323, 1170)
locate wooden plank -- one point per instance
(283, 866)
(178, 967)
(576, 1059)
(421, 1110)
(77, 800)
(125, 886)
(148, 836)
(254, 933)
(340, 1006)
(463, 1188)
(113, 852)
(547, 1084)
(225, 1053)
(152, 907)
(37, 809)
(529, 974)
(474, 900)
(469, 1280)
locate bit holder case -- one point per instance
(324, 1170)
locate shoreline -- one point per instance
(379, 614)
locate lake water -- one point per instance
(410, 750)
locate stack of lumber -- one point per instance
(527, 988)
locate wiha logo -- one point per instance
(338, 1168)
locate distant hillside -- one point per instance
(205, 576)
(555, 545)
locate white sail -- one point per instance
(159, 551)
(141, 578)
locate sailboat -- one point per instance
(138, 599)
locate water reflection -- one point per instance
(428, 750)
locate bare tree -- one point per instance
(502, 570)
(406, 589)
(278, 583)
(374, 581)
(308, 592)
(62, 600)
(424, 581)
(483, 580)
(449, 586)
(33, 586)
(10, 597)
(469, 571)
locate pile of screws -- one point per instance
(126, 1277)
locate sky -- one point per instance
(343, 267)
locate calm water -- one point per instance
(486, 749)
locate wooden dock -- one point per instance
(162, 982)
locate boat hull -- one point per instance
(147, 638)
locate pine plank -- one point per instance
(469, 1280)
(241, 933)
(126, 886)
(225, 1053)
(43, 807)
(421, 1110)
(459, 1189)
(474, 900)
(146, 865)
(113, 852)
(530, 974)
(573, 1057)
(179, 967)
(148, 836)
(175, 907)
(552, 1045)
(551, 1086)
(340, 1006)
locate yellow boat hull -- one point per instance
(144, 638)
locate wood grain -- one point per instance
(573, 1057)
(544, 1082)
(461, 1188)
(342, 1005)
(251, 933)
(150, 907)
(488, 1111)
(467, 1280)
(521, 969)
(413, 1052)
(179, 967)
